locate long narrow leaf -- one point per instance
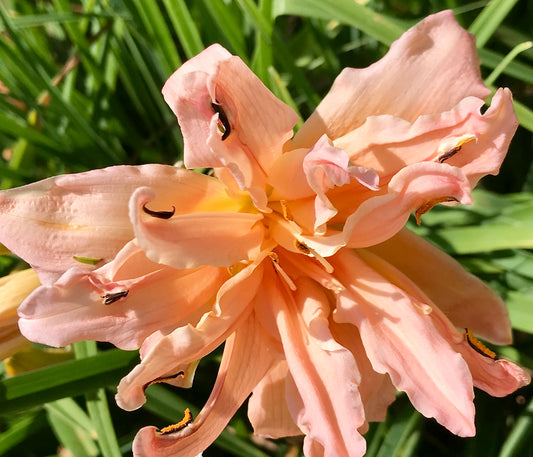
(64, 380)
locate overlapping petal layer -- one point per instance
(80, 305)
(428, 70)
(397, 333)
(229, 119)
(246, 360)
(465, 299)
(173, 352)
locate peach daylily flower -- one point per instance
(294, 254)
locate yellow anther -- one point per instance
(187, 419)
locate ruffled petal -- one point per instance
(50, 222)
(401, 339)
(267, 407)
(172, 353)
(429, 69)
(122, 303)
(187, 94)
(415, 188)
(189, 240)
(239, 126)
(246, 359)
(466, 300)
(326, 167)
(327, 407)
(494, 133)
(496, 376)
(461, 137)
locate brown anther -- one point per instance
(224, 125)
(115, 296)
(465, 139)
(160, 214)
(302, 247)
(430, 204)
(449, 154)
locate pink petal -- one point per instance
(494, 135)
(326, 404)
(497, 377)
(461, 137)
(428, 70)
(73, 309)
(376, 389)
(267, 407)
(245, 361)
(49, 222)
(171, 353)
(326, 167)
(287, 176)
(256, 124)
(378, 218)
(189, 240)
(465, 299)
(401, 339)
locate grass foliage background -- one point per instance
(80, 89)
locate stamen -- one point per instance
(448, 154)
(163, 379)
(478, 346)
(87, 260)
(275, 261)
(454, 150)
(187, 419)
(304, 249)
(160, 214)
(286, 211)
(224, 125)
(115, 296)
(430, 204)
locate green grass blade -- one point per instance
(21, 430)
(490, 19)
(518, 70)
(500, 68)
(524, 114)
(66, 417)
(485, 238)
(347, 12)
(26, 56)
(97, 407)
(262, 59)
(229, 27)
(184, 26)
(520, 436)
(64, 380)
(153, 20)
(520, 306)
